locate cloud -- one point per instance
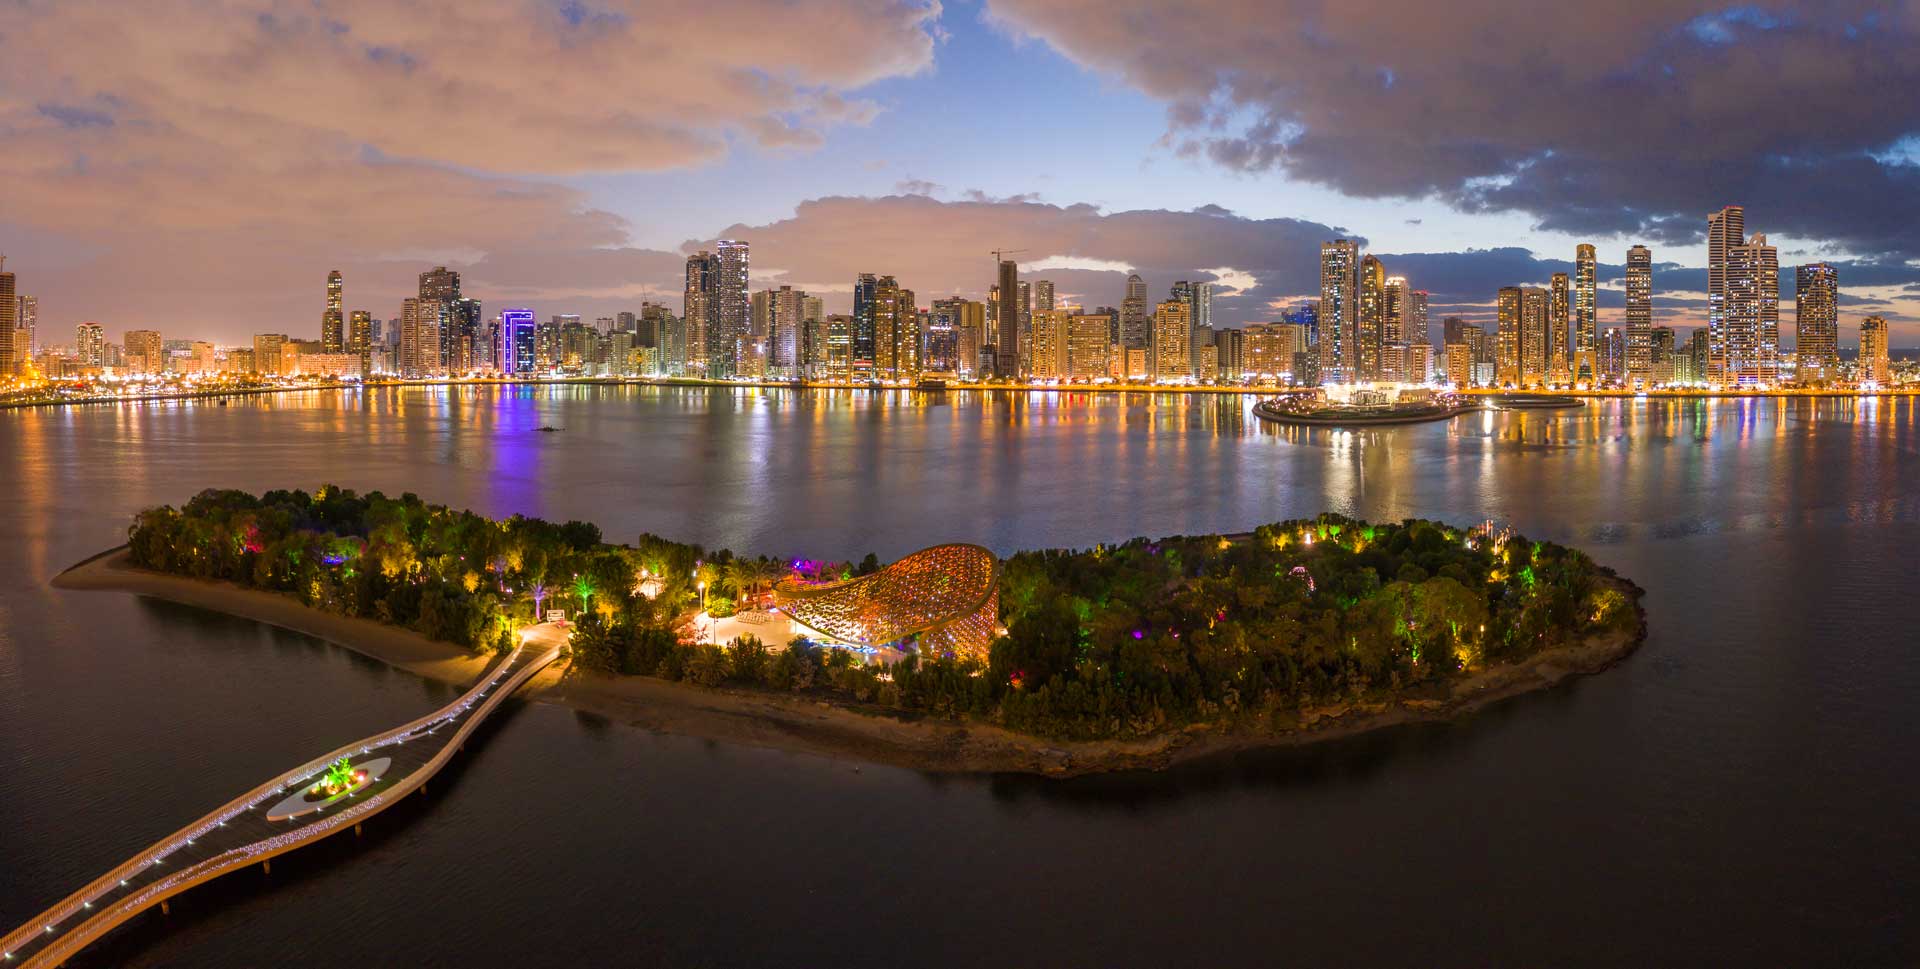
(939, 248)
(499, 85)
(1660, 111)
(240, 141)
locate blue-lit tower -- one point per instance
(516, 341)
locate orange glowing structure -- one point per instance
(944, 601)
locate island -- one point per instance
(1131, 655)
(1363, 407)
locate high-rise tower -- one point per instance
(8, 320)
(1559, 314)
(727, 330)
(1585, 309)
(1874, 367)
(1370, 320)
(1199, 299)
(1752, 314)
(1816, 322)
(333, 337)
(697, 311)
(1639, 331)
(1136, 327)
(1393, 322)
(862, 339)
(1006, 338)
(1725, 229)
(1339, 296)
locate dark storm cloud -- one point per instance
(1635, 118)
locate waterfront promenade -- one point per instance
(240, 833)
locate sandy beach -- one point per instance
(763, 719)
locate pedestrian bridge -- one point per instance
(266, 820)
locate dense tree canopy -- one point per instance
(1113, 641)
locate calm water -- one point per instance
(1741, 790)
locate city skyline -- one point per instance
(603, 216)
(1377, 333)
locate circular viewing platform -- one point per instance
(1313, 411)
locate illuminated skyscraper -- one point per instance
(1639, 330)
(463, 341)
(1874, 366)
(1393, 322)
(728, 325)
(941, 338)
(1816, 323)
(862, 345)
(1339, 299)
(1507, 337)
(1725, 229)
(1199, 299)
(437, 325)
(1536, 316)
(1751, 320)
(26, 324)
(1172, 328)
(146, 352)
(333, 337)
(1585, 309)
(785, 327)
(699, 306)
(969, 319)
(419, 340)
(1006, 337)
(517, 333)
(360, 339)
(1051, 336)
(1416, 326)
(1089, 346)
(1370, 320)
(359, 332)
(90, 344)
(1135, 324)
(8, 321)
(1042, 295)
(1559, 313)
(896, 332)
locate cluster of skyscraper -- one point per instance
(1372, 326)
(1550, 337)
(1020, 330)
(19, 322)
(1367, 327)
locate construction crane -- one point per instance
(1000, 255)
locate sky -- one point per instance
(200, 167)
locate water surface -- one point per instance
(1740, 790)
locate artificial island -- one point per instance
(1129, 655)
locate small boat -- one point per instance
(930, 384)
(547, 428)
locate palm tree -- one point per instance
(738, 575)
